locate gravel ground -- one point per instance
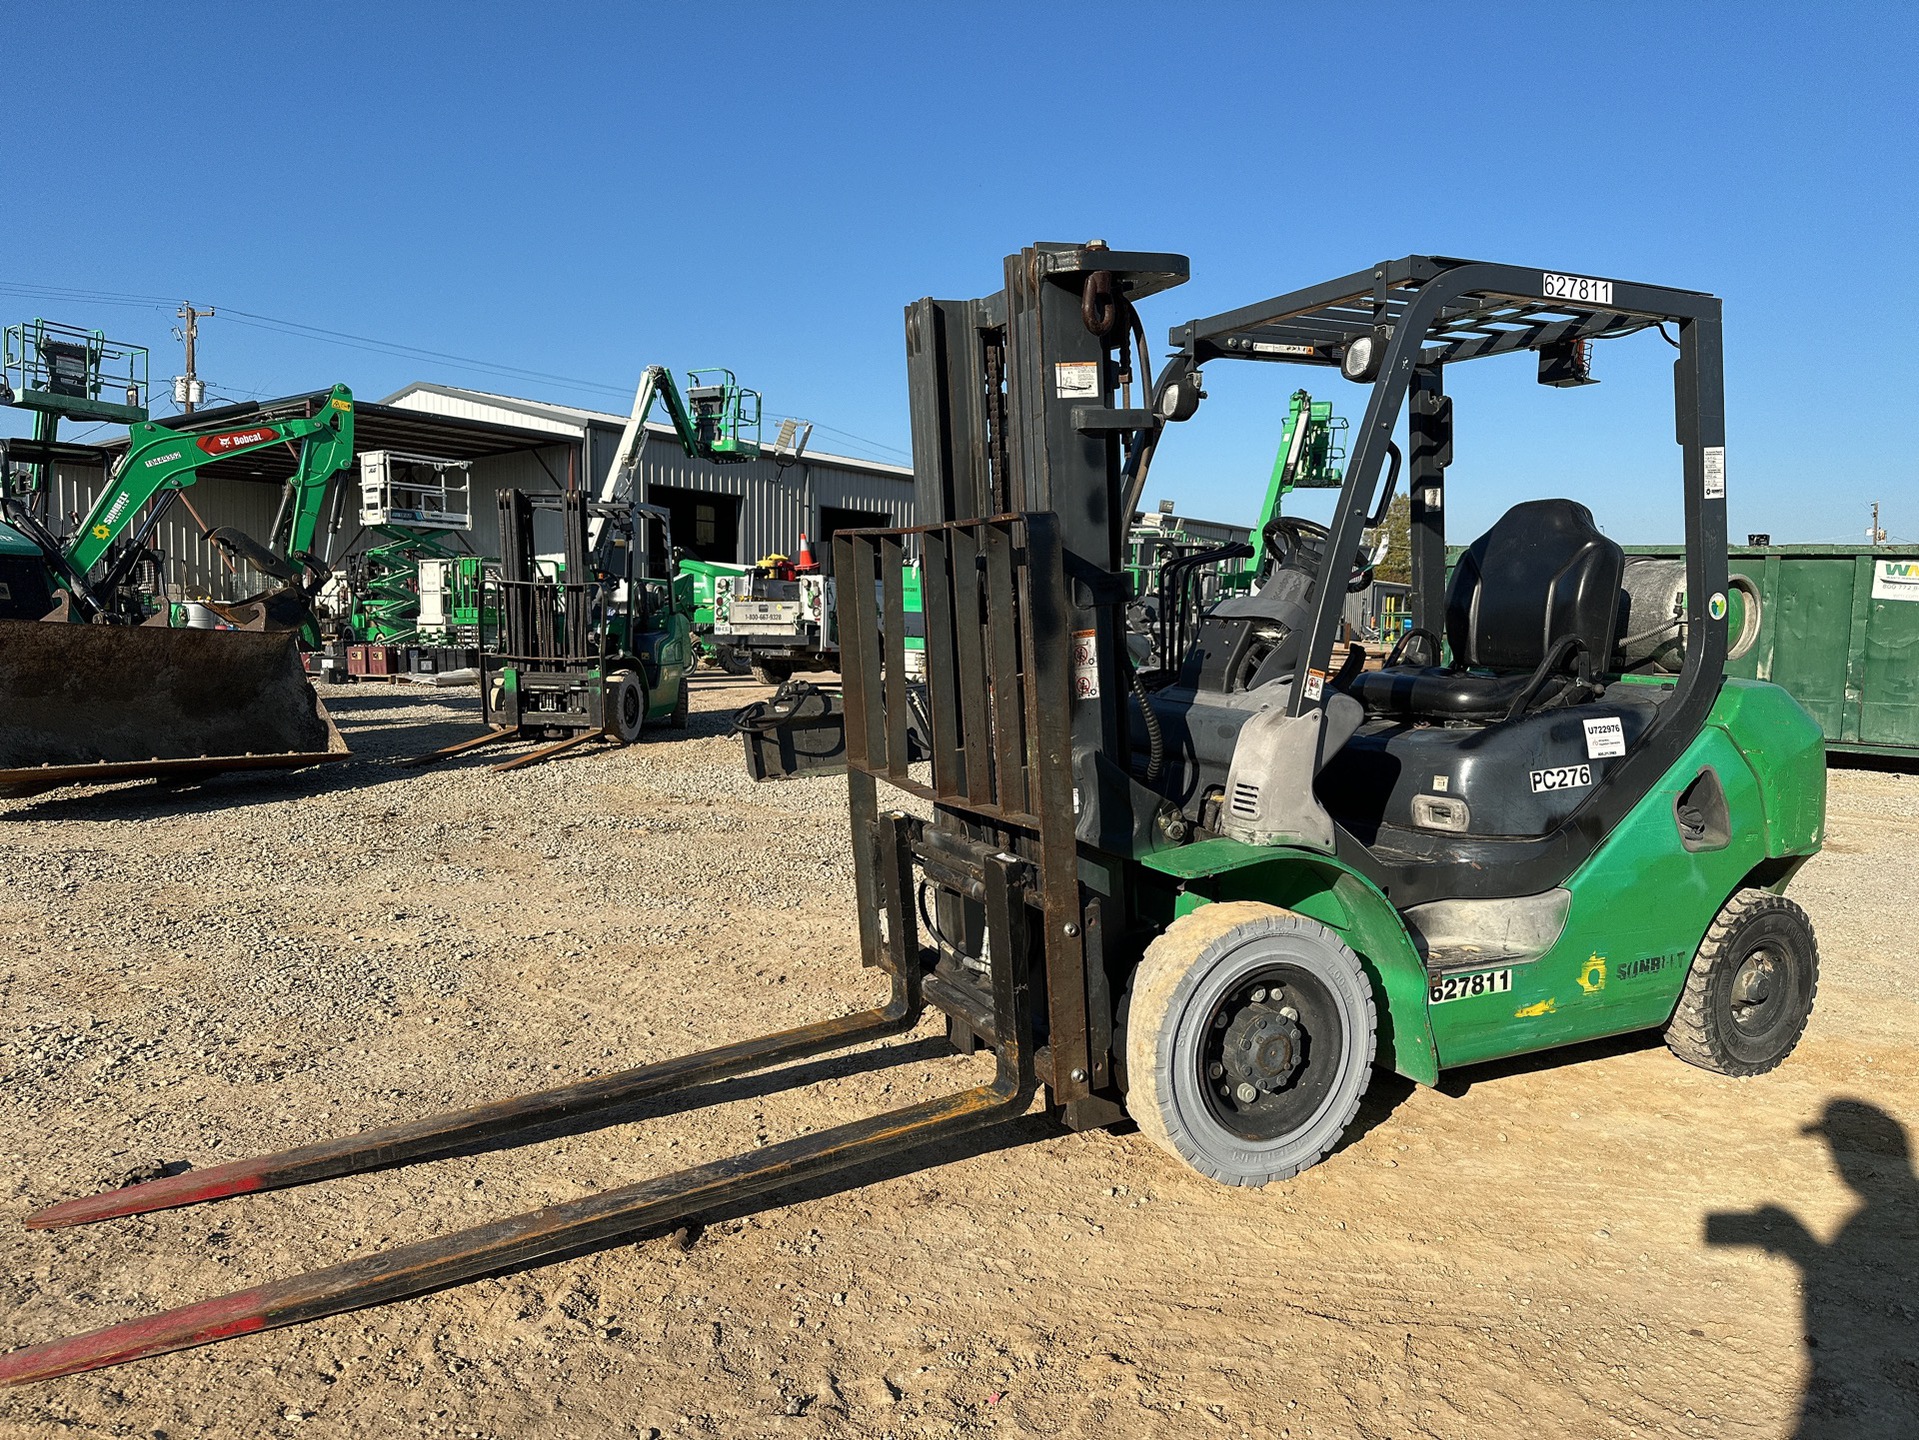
(204, 973)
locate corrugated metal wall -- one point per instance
(194, 569)
(776, 505)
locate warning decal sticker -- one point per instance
(1085, 665)
(1715, 461)
(1077, 379)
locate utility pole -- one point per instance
(188, 393)
(1876, 535)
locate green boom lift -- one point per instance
(1309, 452)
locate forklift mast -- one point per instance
(1025, 471)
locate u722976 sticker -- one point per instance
(1465, 987)
(1605, 738)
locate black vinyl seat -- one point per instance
(1535, 601)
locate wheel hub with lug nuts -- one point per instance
(1261, 1051)
(1754, 980)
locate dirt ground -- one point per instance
(1599, 1243)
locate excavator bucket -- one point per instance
(86, 704)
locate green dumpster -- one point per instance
(1839, 628)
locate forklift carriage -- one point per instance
(1214, 895)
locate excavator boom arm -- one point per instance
(159, 459)
(325, 454)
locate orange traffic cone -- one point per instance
(805, 560)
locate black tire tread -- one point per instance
(1691, 1034)
(612, 727)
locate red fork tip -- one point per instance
(187, 1188)
(181, 1329)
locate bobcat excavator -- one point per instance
(93, 688)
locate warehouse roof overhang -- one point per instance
(572, 420)
(375, 427)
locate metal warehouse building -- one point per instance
(720, 512)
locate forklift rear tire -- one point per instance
(1749, 994)
(1249, 1041)
(625, 706)
(682, 705)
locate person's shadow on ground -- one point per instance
(1861, 1288)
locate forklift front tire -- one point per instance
(1249, 1041)
(625, 706)
(1749, 994)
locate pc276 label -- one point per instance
(1562, 777)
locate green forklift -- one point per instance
(1221, 903)
(598, 640)
(594, 642)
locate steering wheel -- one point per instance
(1299, 544)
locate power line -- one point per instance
(873, 444)
(879, 449)
(413, 352)
(66, 295)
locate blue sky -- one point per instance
(582, 190)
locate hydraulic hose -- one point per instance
(1155, 737)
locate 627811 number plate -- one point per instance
(1577, 287)
(1466, 987)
